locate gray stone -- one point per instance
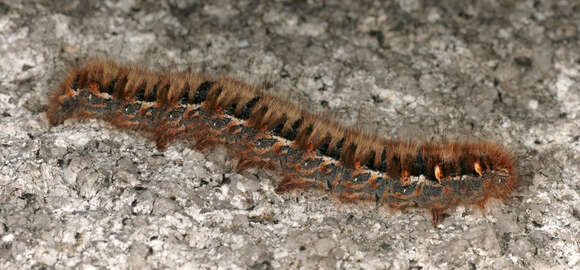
(324, 246)
(86, 195)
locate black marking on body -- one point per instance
(230, 110)
(419, 164)
(278, 128)
(152, 95)
(75, 82)
(140, 94)
(110, 88)
(236, 129)
(324, 143)
(83, 80)
(69, 104)
(248, 107)
(201, 92)
(463, 170)
(262, 111)
(335, 152)
(396, 166)
(370, 163)
(291, 134)
(383, 164)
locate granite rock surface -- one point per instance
(85, 195)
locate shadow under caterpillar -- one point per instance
(307, 150)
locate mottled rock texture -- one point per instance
(88, 196)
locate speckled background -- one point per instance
(84, 195)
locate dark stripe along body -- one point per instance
(308, 151)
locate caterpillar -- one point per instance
(265, 131)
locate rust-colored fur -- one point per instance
(352, 148)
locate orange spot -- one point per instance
(357, 164)
(438, 173)
(477, 168)
(69, 92)
(405, 177)
(61, 99)
(94, 86)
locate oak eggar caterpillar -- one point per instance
(305, 149)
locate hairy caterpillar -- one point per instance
(307, 150)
